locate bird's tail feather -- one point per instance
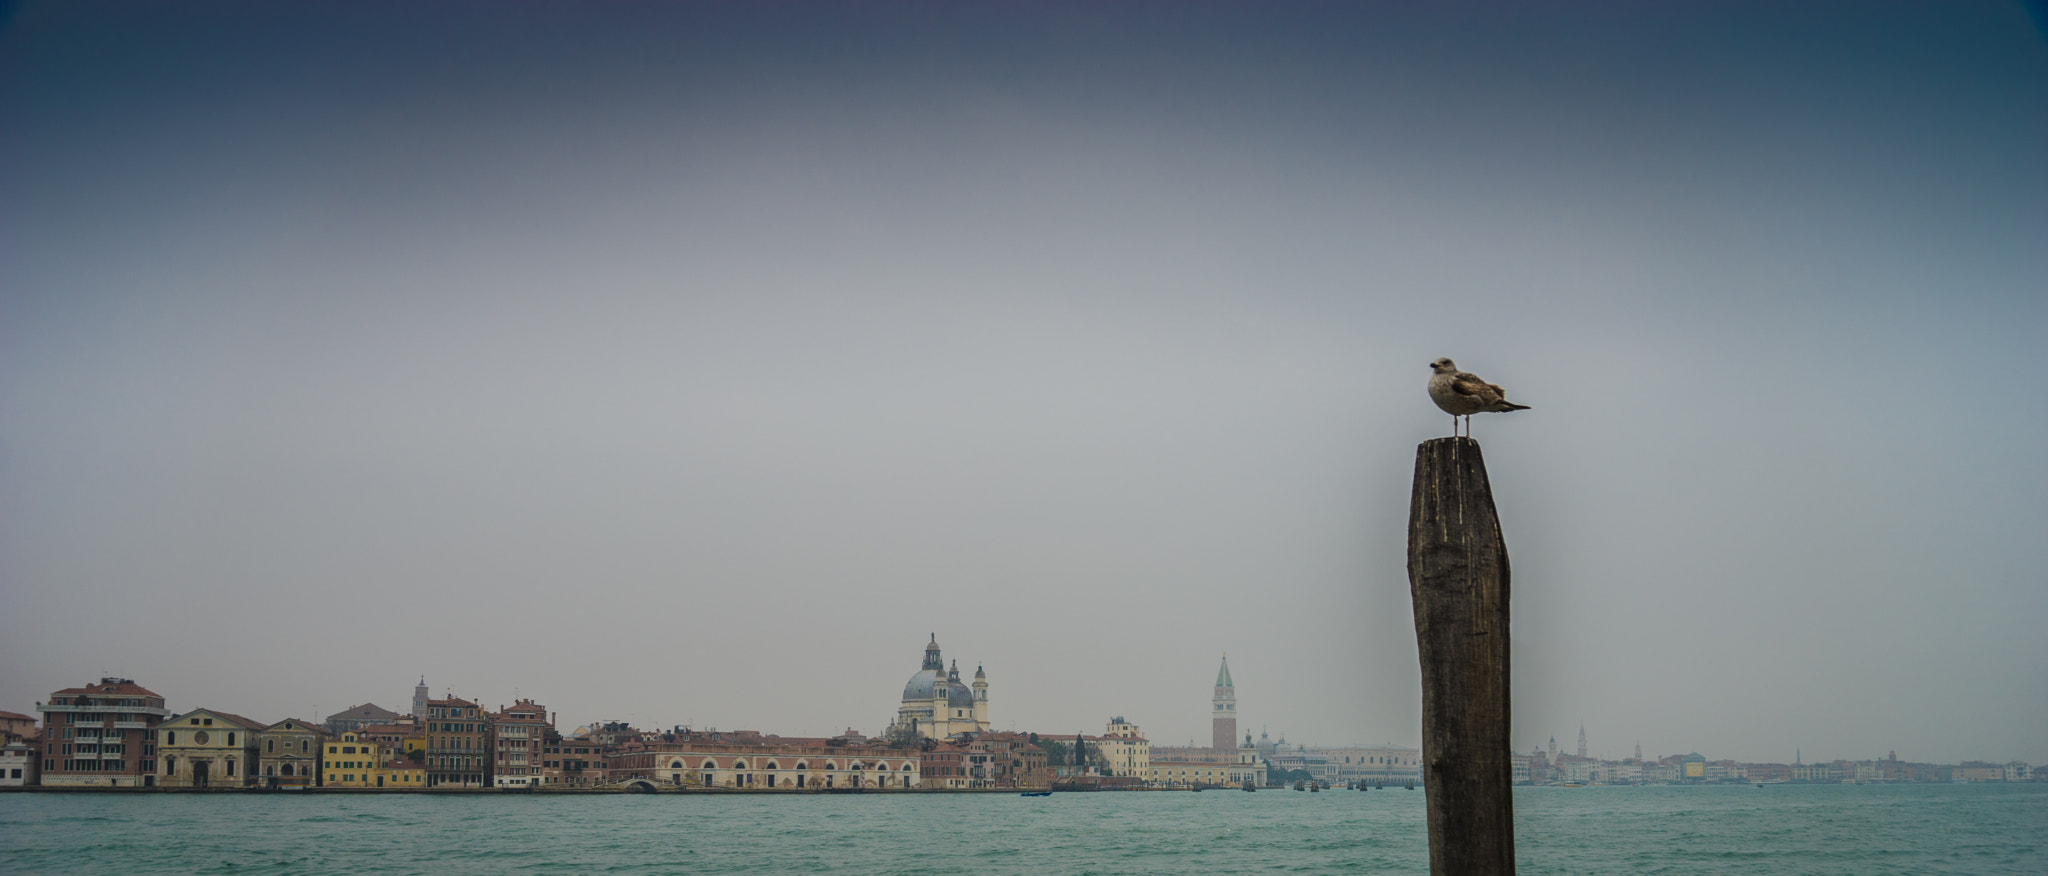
(1506, 406)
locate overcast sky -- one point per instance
(694, 363)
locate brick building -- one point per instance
(101, 734)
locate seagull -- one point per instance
(1462, 394)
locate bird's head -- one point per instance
(1443, 366)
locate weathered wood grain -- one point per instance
(1458, 579)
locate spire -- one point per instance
(1223, 674)
(978, 673)
(932, 660)
(1582, 739)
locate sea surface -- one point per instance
(1860, 829)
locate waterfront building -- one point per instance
(457, 732)
(207, 748)
(1343, 765)
(579, 761)
(15, 725)
(354, 761)
(1518, 766)
(101, 734)
(1979, 771)
(746, 759)
(937, 705)
(1573, 768)
(407, 740)
(19, 764)
(356, 717)
(1223, 711)
(402, 772)
(518, 737)
(943, 765)
(1125, 751)
(288, 754)
(1767, 772)
(1178, 766)
(1014, 760)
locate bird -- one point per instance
(1462, 394)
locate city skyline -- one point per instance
(692, 363)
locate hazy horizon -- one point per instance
(693, 363)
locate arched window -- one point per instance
(676, 766)
(231, 738)
(739, 764)
(830, 765)
(772, 766)
(170, 765)
(800, 765)
(270, 745)
(710, 765)
(170, 737)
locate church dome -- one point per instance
(923, 686)
(958, 696)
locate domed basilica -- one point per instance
(936, 704)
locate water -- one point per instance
(1740, 829)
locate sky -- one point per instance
(694, 363)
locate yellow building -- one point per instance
(355, 761)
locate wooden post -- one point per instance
(1458, 578)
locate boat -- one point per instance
(1197, 789)
(1036, 794)
(1250, 788)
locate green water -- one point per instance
(1741, 829)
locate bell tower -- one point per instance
(980, 699)
(1223, 717)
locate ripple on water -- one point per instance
(1799, 829)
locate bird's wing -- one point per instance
(1470, 384)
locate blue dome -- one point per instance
(921, 686)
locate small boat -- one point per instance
(1249, 787)
(1036, 794)
(1197, 789)
(1411, 786)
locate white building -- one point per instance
(937, 705)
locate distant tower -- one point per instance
(980, 698)
(1639, 751)
(1223, 722)
(419, 701)
(1553, 749)
(1795, 755)
(1582, 739)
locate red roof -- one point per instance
(16, 716)
(125, 688)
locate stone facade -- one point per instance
(207, 748)
(1176, 766)
(288, 754)
(752, 761)
(1125, 751)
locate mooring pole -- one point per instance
(1458, 578)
